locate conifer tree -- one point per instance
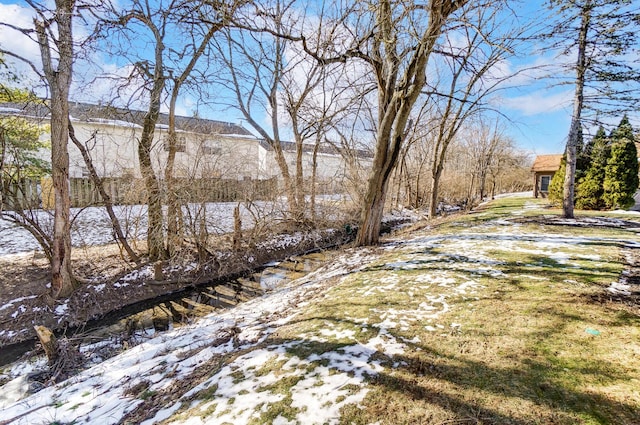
(583, 156)
(604, 35)
(556, 186)
(589, 189)
(621, 172)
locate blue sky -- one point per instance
(538, 115)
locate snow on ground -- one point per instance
(92, 226)
(419, 277)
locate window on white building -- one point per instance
(211, 147)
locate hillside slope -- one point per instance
(508, 315)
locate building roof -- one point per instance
(547, 163)
(323, 148)
(101, 113)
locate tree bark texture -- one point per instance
(436, 173)
(155, 233)
(59, 80)
(398, 91)
(578, 100)
(174, 211)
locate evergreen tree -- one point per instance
(621, 171)
(604, 34)
(556, 186)
(19, 144)
(589, 190)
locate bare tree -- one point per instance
(155, 73)
(58, 55)
(253, 71)
(415, 158)
(466, 80)
(179, 33)
(488, 150)
(199, 31)
(395, 41)
(403, 37)
(397, 44)
(269, 74)
(482, 162)
(56, 27)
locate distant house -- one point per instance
(206, 148)
(215, 160)
(543, 169)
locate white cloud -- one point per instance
(16, 42)
(26, 46)
(538, 102)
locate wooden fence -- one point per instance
(83, 192)
(21, 194)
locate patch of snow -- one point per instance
(61, 309)
(619, 288)
(435, 270)
(91, 226)
(5, 110)
(115, 123)
(21, 309)
(628, 212)
(15, 301)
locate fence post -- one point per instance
(46, 183)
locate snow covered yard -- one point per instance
(92, 226)
(488, 318)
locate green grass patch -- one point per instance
(489, 318)
(208, 393)
(277, 410)
(524, 353)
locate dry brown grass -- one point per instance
(526, 352)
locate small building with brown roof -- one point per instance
(543, 169)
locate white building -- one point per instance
(206, 148)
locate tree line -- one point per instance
(606, 171)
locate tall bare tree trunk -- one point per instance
(174, 211)
(314, 178)
(436, 173)
(59, 79)
(398, 90)
(174, 216)
(289, 184)
(155, 233)
(155, 237)
(578, 99)
(299, 184)
(373, 206)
